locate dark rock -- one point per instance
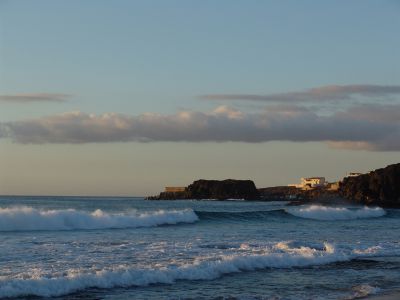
(277, 193)
(320, 195)
(296, 196)
(215, 189)
(168, 196)
(223, 189)
(380, 187)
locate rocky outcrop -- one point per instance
(296, 196)
(169, 196)
(215, 189)
(223, 189)
(380, 187)
(278, 193)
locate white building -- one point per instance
(353, 174)
(310, 183)
(313, 182)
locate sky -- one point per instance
(123, 98)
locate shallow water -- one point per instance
(124, 248)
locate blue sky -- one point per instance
(160, 57)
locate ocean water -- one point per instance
(130, 248)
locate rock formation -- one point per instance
(380, 187)
(224, 189)
(215, 189)
(277, 193)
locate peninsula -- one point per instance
(379, 187)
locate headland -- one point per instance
(380, 187)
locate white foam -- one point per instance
(28, 218)
(281, 255)
(326, 213)
(363, 291)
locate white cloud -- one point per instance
(34, 97)
(362, 127)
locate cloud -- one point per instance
(34, 97)
(318, 94)
(368, 127)
(373, 112)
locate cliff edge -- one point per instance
(380, 187)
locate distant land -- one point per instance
(379, 187)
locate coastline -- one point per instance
(376, 188)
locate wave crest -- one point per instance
(326, 213)
(28, 219)
(281, 255)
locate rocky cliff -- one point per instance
(277, 193)
(380, 187)
(223, 189)
(296, 196)
(215, 189)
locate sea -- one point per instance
(131, 248)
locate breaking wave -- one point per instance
(28, 219)
(280, 255)
(317, 212)
(325, 213)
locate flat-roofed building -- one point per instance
(313, 181)
(353, 174)
(310, 183)
(174, 189)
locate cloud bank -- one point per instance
(369, 127)
(34, 97)
(318, 94)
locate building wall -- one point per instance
(309, 183)
(353, 174)
(313, 181)
(299, 185)
(334, 186)
(174, 189)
